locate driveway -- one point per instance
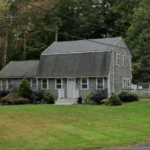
(136, 147)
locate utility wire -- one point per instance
(77, 37)
(123, 14)
(82, 21)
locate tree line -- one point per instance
(27, 27)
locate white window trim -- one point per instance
(117, 59)
(87, 83)
(7, 84)
(124, 79)
(128, 81)
(31, 81)
(124, 60)
(60, 83)
(97, 82)
(42, 84)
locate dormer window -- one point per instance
(117, 59)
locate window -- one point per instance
(124, 60)
(9, 84)
(44, 84)
(99, 83)
(84, 84)
(33, 84)
(59, 84)
(117, 59)
(128, 82)
(3, 84)
(124, 83)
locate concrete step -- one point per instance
(63, 104)
(66, 102)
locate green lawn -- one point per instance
(45, 127)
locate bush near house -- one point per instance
(79, 100)
(114, 100)
(128, 97)
(88, 99)
(48, 97)
(36, 96)
(3, 93)
(24, 89)
(98, 95)
(13, 99)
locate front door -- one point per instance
(71, 85)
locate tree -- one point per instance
(138, 40)
(123, 10)
(24, 89)
(4, 13)
(85, 12)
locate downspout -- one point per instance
(108, 77)
(113, 73)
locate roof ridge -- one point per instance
(88, 39)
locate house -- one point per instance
(73, 68)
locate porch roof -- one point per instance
(93, 64)
(20, 69)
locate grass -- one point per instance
(82, 127)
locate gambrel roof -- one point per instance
(82, 46)
(89, 64)
(80, 58)
(20, 69)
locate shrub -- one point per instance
(48, 97)
(121, 95)
(114, 100)
(79, 100)
(128, 97)
(104, 101)
(13, 98)
(98, 95)
(24, 89)
(3, 93)
(36, 96)
(88, 100)
(38, 102)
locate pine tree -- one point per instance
(24, 89)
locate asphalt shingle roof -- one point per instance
(90, 64)
(81, 46)
(20, 69)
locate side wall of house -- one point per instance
(120, 72)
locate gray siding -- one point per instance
(120, 71)
(82, 93)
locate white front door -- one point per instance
(71, 85)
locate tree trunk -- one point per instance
(5, 48)
(2, 58)
(24, 47)
(56, 36)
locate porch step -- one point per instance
(66, 102)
